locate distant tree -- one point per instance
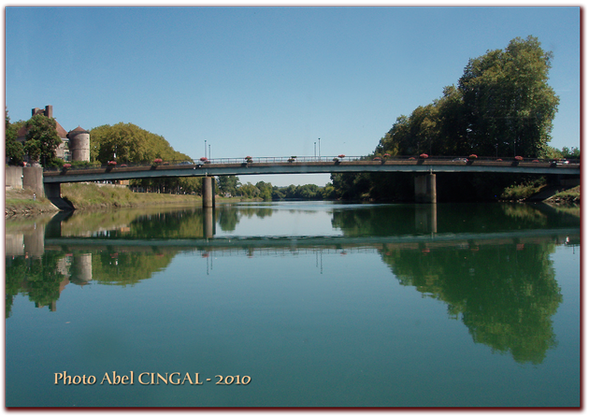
(42, 140)
(248, 190)
(572, 153)
(228, 184)
(265, 190)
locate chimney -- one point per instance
(49, 111)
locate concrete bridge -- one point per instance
(425, 170)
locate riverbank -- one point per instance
(90, 196)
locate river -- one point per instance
(295, 304)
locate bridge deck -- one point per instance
(224, 168)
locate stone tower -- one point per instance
(79, 144)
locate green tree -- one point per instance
(503, 106)
(228, 184)
(42, 140)
(265, 190)
(248, 190)
(130, 144)
(509, 104)
(14, 149)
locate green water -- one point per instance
(294, 304)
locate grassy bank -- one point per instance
(24, 202)
(94, 196)
(89, 196)
(569, 197)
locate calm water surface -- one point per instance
(295, 304)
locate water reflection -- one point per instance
(490, 264)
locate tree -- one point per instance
(42, 140)
(265, 190)
(503, 106)
(14, 149)
(130, 144)
(508, 102)
(228, 184)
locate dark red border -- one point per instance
(330, 410)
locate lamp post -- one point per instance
(315, 149)
(205, 148)
(319, 147)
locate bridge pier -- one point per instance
(53, 194)
(425, 188)
(208, 192)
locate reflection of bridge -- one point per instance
(424, 183)
(467, 241)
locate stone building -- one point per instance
(75, 145)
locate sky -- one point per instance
(268, 81)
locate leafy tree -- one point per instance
(503, 106)
(14, 149)
(130, 144)
(508, 102)
(265, 190)
(228, 184)
(42, 140)
(572, 153)
(248, 190)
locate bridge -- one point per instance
(425, 168)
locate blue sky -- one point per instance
(268, 81)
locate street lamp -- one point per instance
(319, 147)
(205, 148)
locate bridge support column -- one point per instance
(53, 194)
(208, 192)
(425, 188)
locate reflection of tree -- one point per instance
(39, 277)
(228, 218)
(403, 219)
(260, 212)
(127, 268)
(506, 294)
(174, 224)
(43, 278)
